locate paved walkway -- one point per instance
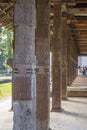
(80, 81)
(5, 79)
(73, 116)
(5, 115)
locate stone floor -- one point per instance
(72, 117)
(5, 114)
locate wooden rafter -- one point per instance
(76, 18)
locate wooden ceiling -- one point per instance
(6, 13)
(77, 18)
(79, 24)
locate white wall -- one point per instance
(82, 61)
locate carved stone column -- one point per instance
(69, 55)
(24, 87)
(64, 58)
(68, 71)
(74, 70)
(57, 58)
(43, 63)
(71, 71)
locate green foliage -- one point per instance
(6, 50)
(5, 90)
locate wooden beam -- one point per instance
(82, 42)
(81, 27)
(78, 21)
(83, 47)
(84, 32)
(82, 36)
(81, 24)
(6, 1)
(81, 17)
(80, 1)
(78, 11)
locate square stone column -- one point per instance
(64, 57)
(43, 64)
(57, 57)
(69, 54)
(24, 81)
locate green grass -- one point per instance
(5, 90)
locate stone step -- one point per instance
(80, 80)
(77, 91)
(74, 92)
(78, 87)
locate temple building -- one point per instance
(42, 27)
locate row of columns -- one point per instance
(72, 60)
(31, 65)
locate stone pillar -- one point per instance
(74, 70)
(10, 63)
(68, 57)
(64, 58)
(43, 64)
(77, 66)
(57, 58)
(68, 71)
(71, 69)
(24, 66)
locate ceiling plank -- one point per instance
(78, 11)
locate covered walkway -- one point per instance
(41, 27)
(72, 117)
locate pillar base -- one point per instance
(50, 129)
(65, 99)
(64, 96)
(57, 110)
(11, 109)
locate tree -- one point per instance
(6, 51)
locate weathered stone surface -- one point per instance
(24, 80)
(42, 81)
(57, 88)
(42, 60)
(57, 58)
(64, 58)
(23, 115)
(25, 13)
(23, 88)
(64, 83)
